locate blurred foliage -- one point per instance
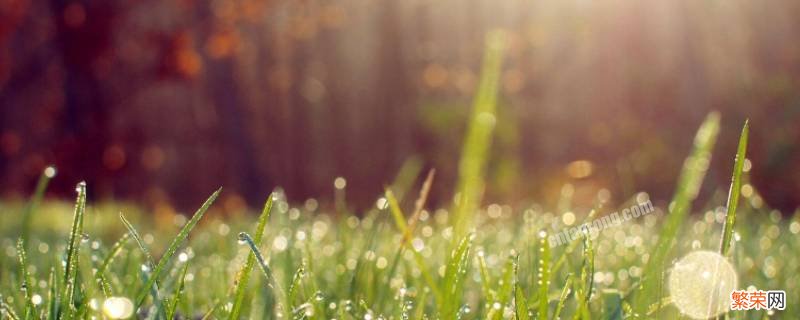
(138, 97)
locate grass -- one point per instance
(384, 264)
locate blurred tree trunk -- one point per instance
(83, 35)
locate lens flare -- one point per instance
(700, 284)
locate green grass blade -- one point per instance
(736, 188)
(33, 203)
(176, 296)
(151, 265)
(563, 297)
(454, 274)
(689, 182)
(475, 151)
(544, 275)
(173, 247)
(522, 310)
(265, 270)
(113, 252)
(138, 238)
(521, 304)
(52, 295)
(244, 274)
(25, 283)
(73, 248)
(400, 221)
(6, 311)
(486, 278)
(506, 290)
(406, 176)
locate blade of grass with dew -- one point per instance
(173, 247)
(563, 297)
(73, 248)
(521, 308)
(136, 237)
(506, 290)
(521, 303)
(25, 277)
(36, 198)
(265, 270)
(454, 274)
(116, 248)
(475, 150)
(544, 275)
(486, 278)
(176, 296)
(736, 188)
(691, 178)
(244, 274)
(151, 265)
(587, 277)
(294, 286)
(419, 205)
(41, 186)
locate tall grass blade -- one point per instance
(544, 275)
(406, 176)
(244, 274)
(736, 188)
(454, 274)
(689, 182)
(521, 304)
(506, 290)
(475, 152)
(176, 296)
(73, 248)
(399, 219)
(25, 283)
(563, 297)
(151, 265)
(486, 279)
(33, 203)
(173, 247)
(265, 270)
(116, 248)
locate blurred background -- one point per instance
(161, 102)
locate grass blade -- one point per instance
(486, 279)
(478, 138)
(689, 182)
(736, 188)
(522, 309)
(563, 298)
(173, 304)
(265, 270)
(113, 252)
(6, 310)
(544, 274)
(73, 248)
(36, 198)
(506, 290)
(173, 247)
(244, 274)
(25, 284)
(454, 274)
(399, 219)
